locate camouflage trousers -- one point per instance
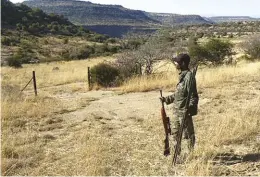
(188, 131)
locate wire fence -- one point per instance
(34, 83)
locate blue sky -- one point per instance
(200, 7)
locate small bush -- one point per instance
(65, 41)
(98, 38)
(14, 62)
(128, 65)
(9, 41)
(252, 47)
(6, 41)
(24, 55)
(104, 74)
(111, 40)
(78, 53)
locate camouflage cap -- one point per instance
(183, 57)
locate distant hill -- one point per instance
(220, 19)
(175, 19)
(24, 18)
(113, 20)
(87, 13)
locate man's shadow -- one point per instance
(231, 159)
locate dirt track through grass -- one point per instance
(110, 133)
(121, 134)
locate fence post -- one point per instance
(140, 69)
(89, 78)
(34, 83)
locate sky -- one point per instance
(199, 7)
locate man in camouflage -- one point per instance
(179, 99)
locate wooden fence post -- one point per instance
(34, 83)
(89, 78)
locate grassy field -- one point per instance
(51, 74)
(68, 130)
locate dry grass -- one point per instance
(52, 135)
(47, 76)
(206, 77)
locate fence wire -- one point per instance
(26, 85)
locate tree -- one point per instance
(217, 50)
(198, 53)
(251, 46)
(214, 51)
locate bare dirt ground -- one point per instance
(111, 133)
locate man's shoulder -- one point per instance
(188, 75)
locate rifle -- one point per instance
(167, 129)
(180, 132)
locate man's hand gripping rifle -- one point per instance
(167, 128)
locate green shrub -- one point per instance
(104, 74)
(9, 41)
(98, 38)
(214, 51)
(23, 55)
(111, 40)
(197, 53)
(101, 49)
(217, 50)
(6, 41)
(85, 52)
(14, 62)
(114, 49)
(65, 41)
(79, 53)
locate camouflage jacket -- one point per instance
(179, 97)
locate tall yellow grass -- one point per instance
(206, 77)
(230, 118)
(69, 72)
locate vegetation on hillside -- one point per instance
(168, 19)
(26, 36)
(93, 14)
(35, 21)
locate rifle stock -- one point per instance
(167, 129)
(180, 131)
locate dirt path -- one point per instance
(129, 128)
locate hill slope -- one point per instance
(175, 19)
(98, 14)
(220, 19)
(92, 14)
(23, 18)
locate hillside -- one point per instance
(113, 20)
(92, 14)
(35, 21)
(30, 35)
(169, 19)
(220, 19)
(98, 14)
